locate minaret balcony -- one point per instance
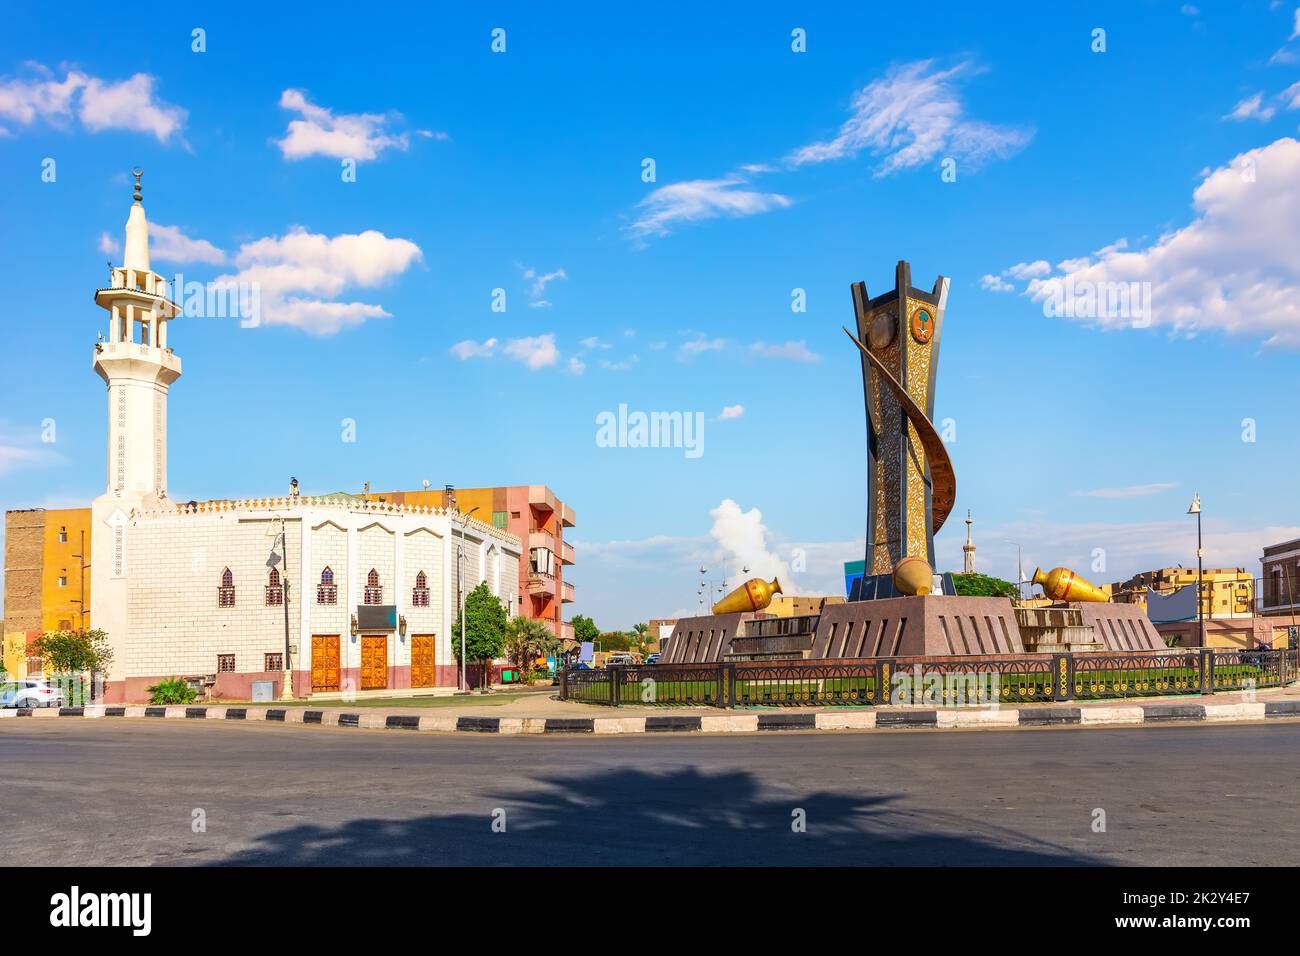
(135, 359)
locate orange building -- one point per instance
(538, 518)
(47, 578)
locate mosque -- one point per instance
(341, 592)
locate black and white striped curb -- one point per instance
(876, 719)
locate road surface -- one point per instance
(143, 792)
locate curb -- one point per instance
(722, 723)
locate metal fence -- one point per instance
(934, 681)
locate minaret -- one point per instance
(968, 549)
(138, 368)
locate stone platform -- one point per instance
(911, 627)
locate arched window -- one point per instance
(226, 590)
(374, 593)
(420, 593)
(327, 591)
(274, 589)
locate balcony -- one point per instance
(568, 518)
(566, 593)
(541, 583)
(566, 553)
(542, 498)
(566, 631)
(542, 539)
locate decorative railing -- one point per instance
(934, 681)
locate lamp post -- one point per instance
(460, 591)
(1020, 571)
(1195, 509)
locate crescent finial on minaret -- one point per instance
(137, 172)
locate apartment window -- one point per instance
(226, 590)
(327, 591)
(225, 663)
(63, 536)
(63, 580)
(274, 589)
(65, 625)
(500, 519)
(420, 593)
(35, 667)
(374, 592)
(274, 662)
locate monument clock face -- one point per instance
(922, 325)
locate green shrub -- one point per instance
(172, 690)
(982, 585)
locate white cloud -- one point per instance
(536, 352)
(1291, 96)
(593, 342)
(1233, 268)
(742, 538)
(539, 281)
(698, 346)
(469, 349)
(301, 274)
(1128, 491)
(14, 457)
(577, 366)
(995, 284)
(171, 245)
(732, 411)
(1029, 270)
(1295, 30)
(540, 304)
(795, 351)
(321, 132)
(620, 366)
(1251, 108)
(108, 245)
(700, 199)
(129, 104)
(912, 116)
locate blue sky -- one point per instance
(1169, 158)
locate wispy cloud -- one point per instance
(697, 200)
(731, 411)
(1128, 491)
(130, 104)
(469, 349)
(535, 352)
(1252, 107)
(321, 132)
(911, 116)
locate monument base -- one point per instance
(932, 625)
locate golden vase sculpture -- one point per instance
(754, 595)
(913, 576)
(1062, 584)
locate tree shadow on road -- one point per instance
(627, 817)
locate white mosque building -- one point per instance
(343, 592)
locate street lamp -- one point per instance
(1020, 571)
(460, 591)
(286, 685)
(1195, 509)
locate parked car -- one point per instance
(621, 659)
(653, 658)
(34, 692)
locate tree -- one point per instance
(526, 638)
(485, 628)
(584, 629)
(68, 652)
(982, 585)
(641, 634)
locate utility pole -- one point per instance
(1195, 509)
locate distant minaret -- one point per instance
(138, 368)
(968, 549)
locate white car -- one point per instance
(34, 692)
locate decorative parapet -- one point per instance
(322, 502)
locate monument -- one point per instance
(900, 608)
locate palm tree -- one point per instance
(641, 631)
(527, 638)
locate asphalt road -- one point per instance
(111, 792)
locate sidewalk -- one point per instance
(540, 713)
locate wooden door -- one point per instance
(374, 662)
(422, 660)
(324, 662)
